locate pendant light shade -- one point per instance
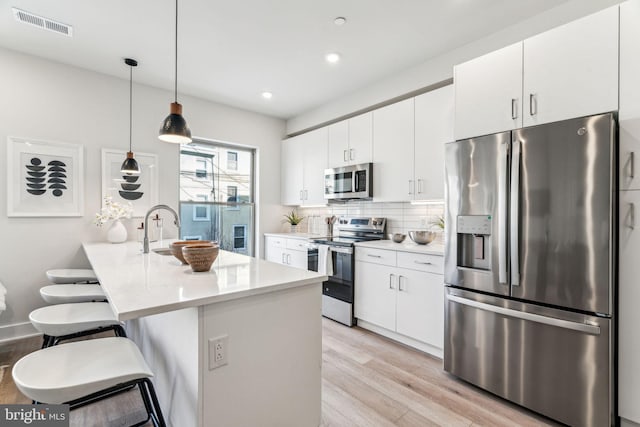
(130, 165)
(174, 127)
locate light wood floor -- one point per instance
(367, 381)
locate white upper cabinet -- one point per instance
(315, 162)
(629, 117)
(291, 171)
(569, 71)
(488, 93)
(572, 71)
(350, 141)
(304, 159)
(433, 128)
(393, 144)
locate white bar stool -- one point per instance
(66, 321)
(72, 275)
(83, 372)
(63, 294)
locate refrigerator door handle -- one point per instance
(532, 317)
(514, 213)
(503, 180)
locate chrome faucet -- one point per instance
(176, 221)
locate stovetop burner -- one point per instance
(352, 230)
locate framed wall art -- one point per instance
(44, 178)
(140, 190)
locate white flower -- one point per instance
(112, 210)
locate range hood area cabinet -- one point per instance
(569, 71)
(408, 147)
(351, 141)
(303, 161)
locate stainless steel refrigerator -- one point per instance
(530, 266)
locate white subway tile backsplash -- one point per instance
(401, 216)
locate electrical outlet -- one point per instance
(218, 350)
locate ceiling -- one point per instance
(231, 51)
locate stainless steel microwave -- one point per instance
(349, 182)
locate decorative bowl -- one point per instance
(200, 257)
(398, 237)
(422, 237)
(176, 247)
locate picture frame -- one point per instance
(44, 178)
(140, 190)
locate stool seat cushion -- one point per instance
(71, 275)
(61, 294)
(69, 371)
(65, 319)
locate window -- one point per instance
(239, 237)
(232, 160)
(216, 194)
(201, 168)
(202, 212)
(232, 193)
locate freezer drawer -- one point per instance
(554, 362)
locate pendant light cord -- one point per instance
(175, 90)
(130, 103)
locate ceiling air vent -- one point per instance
(41, 22)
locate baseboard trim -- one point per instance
(17, 331)
(418, 345)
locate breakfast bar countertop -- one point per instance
(138, 284)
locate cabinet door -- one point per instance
(629, 315)
(375, 294)
(420, 306)
(361, 139)
(488, 93)
(572, 71)
(339, 144)
(315, 162)
(296, 259)
(434, 128)
(629, 117)
(273, 249)
(393, 139)
(291, 170)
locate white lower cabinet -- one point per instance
(286, 251)
(404, 304)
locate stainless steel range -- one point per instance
(337, 292)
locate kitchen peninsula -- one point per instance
(266, 316)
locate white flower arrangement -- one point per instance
(113, 210)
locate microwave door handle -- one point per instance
(514, 246)
(353, 181)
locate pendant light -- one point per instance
(174, 127)
(130, 165)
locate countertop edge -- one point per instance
(388, 245)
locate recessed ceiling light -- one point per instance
(267, 95)
(332, 57)
(340, 20)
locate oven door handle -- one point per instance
(348, 251)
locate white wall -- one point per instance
(441, 67)
(44, 100)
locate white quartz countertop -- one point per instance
(138, 284)
(407, 246)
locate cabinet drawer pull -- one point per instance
(533, 104)
(423, 262)
(391, 281)
(632, 165)
(400, 283)
(374, 256)
(632, 216)
(344, 155)
(410, 186)
(351, 156)
(514, 108)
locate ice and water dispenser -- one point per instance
(474, 241)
